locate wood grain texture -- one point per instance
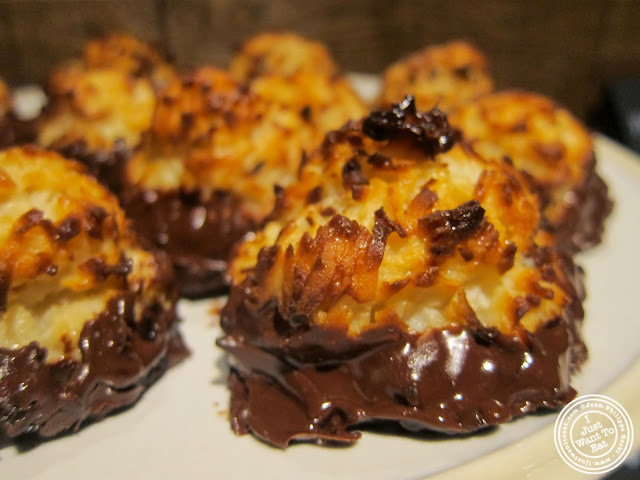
(563, 48)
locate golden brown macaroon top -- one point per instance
(132, 56)
(65, 250)
(101, 109)
(442, 76)
(284, 54)
(211, 132)
(390, 223)
(105, 100)
(539, 136)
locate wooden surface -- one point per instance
(564, 48)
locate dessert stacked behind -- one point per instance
(101, 105)
(403, 277)
(221, 149)
(283, 54)
(443, 76)
(540, 137)
(132, 56)
(88, 318)
(556, 152)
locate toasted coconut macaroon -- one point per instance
(131, 55)
(400, 280)
(554, 149)
(284, 54)
(87, 318)
(217, 151)
(442, 76)
(100, 107)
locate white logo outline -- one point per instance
(609, 457)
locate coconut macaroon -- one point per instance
(218, 153)
(443, 76)
(87, 318)
(402, 278)
(284, 54)
(553, 148)
(101, 106)
(130, 55)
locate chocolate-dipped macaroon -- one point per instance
(218, 155)
(402, 278)
(13, 130)
(87, 318)
(443, 76)
(554, 149)
(101, 105)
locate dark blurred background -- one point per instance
(568, 49)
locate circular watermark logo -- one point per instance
(593, 434)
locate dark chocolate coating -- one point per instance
(582, 224)
(14, 131)
(108, 167)
(121, 356)
(307, 382)
(198, 233)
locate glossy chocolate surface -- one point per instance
(121, 356)
(451, 381)
(587, 208)
(305, 382)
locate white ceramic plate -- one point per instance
(180, 429)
